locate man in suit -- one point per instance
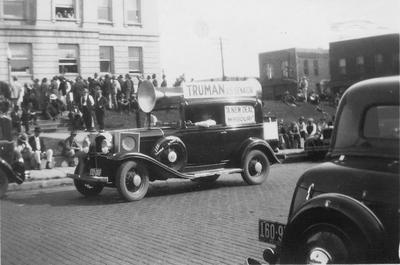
(87, 103)
(100, 109)
(39, 150)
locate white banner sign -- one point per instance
(228, 89)
(235, 115)
(271, 130)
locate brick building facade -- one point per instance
(281, 70)
(358, 59)
(43, 38)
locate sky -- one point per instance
(190, 30)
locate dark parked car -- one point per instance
(347, 210)
(207, 129)
(11, 170)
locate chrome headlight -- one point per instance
(128, 143)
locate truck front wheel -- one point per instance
(132, 180)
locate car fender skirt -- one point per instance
(259, 144)
(338, 209)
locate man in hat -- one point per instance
(87, 103)
(39, 150)
(72, 149)
(100, 109)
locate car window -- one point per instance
(199, 113)
(168, 117)
(382, 122)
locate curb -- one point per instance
(41, 184)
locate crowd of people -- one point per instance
(83, 101)
(292, 135)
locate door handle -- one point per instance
(223, 132)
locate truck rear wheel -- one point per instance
(255, 167)
(132, 180)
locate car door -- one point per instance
(204, 144)
(240, 124)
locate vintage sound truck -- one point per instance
(202, 131)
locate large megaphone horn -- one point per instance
(148, 95)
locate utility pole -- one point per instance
(222, 59)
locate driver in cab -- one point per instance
(206, 121)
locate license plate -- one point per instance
(270, 232)
(95, 172)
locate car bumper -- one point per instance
(100, 179)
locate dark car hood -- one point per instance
(361, 178)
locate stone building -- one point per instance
(43, 38)
(358, 59)
(281, 71)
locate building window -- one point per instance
(65, 9)
(378, 59)
(106, 59)
(14, 9)
(285, 69)
(135, 58)
(20, 58)
(104, 12)
(269, 69)
(305, 67)
(68, 60)
(316, 67)
(342, 66)
(360, 64)
(133, 14)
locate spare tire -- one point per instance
(170, 151)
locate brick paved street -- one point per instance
(178, 222)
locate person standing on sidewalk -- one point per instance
(39, 150)
(303, 131)
(100, 109)
(87, 103)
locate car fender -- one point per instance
(347, 207)
(158, 170)
(259, 144)
(8, 170)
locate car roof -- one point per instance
(347, 138)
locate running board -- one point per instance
(207, 174)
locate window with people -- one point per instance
(64, 9)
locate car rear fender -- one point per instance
(257, 144)
(158, 170)
(342, 207)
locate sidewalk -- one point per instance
(47, 178)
